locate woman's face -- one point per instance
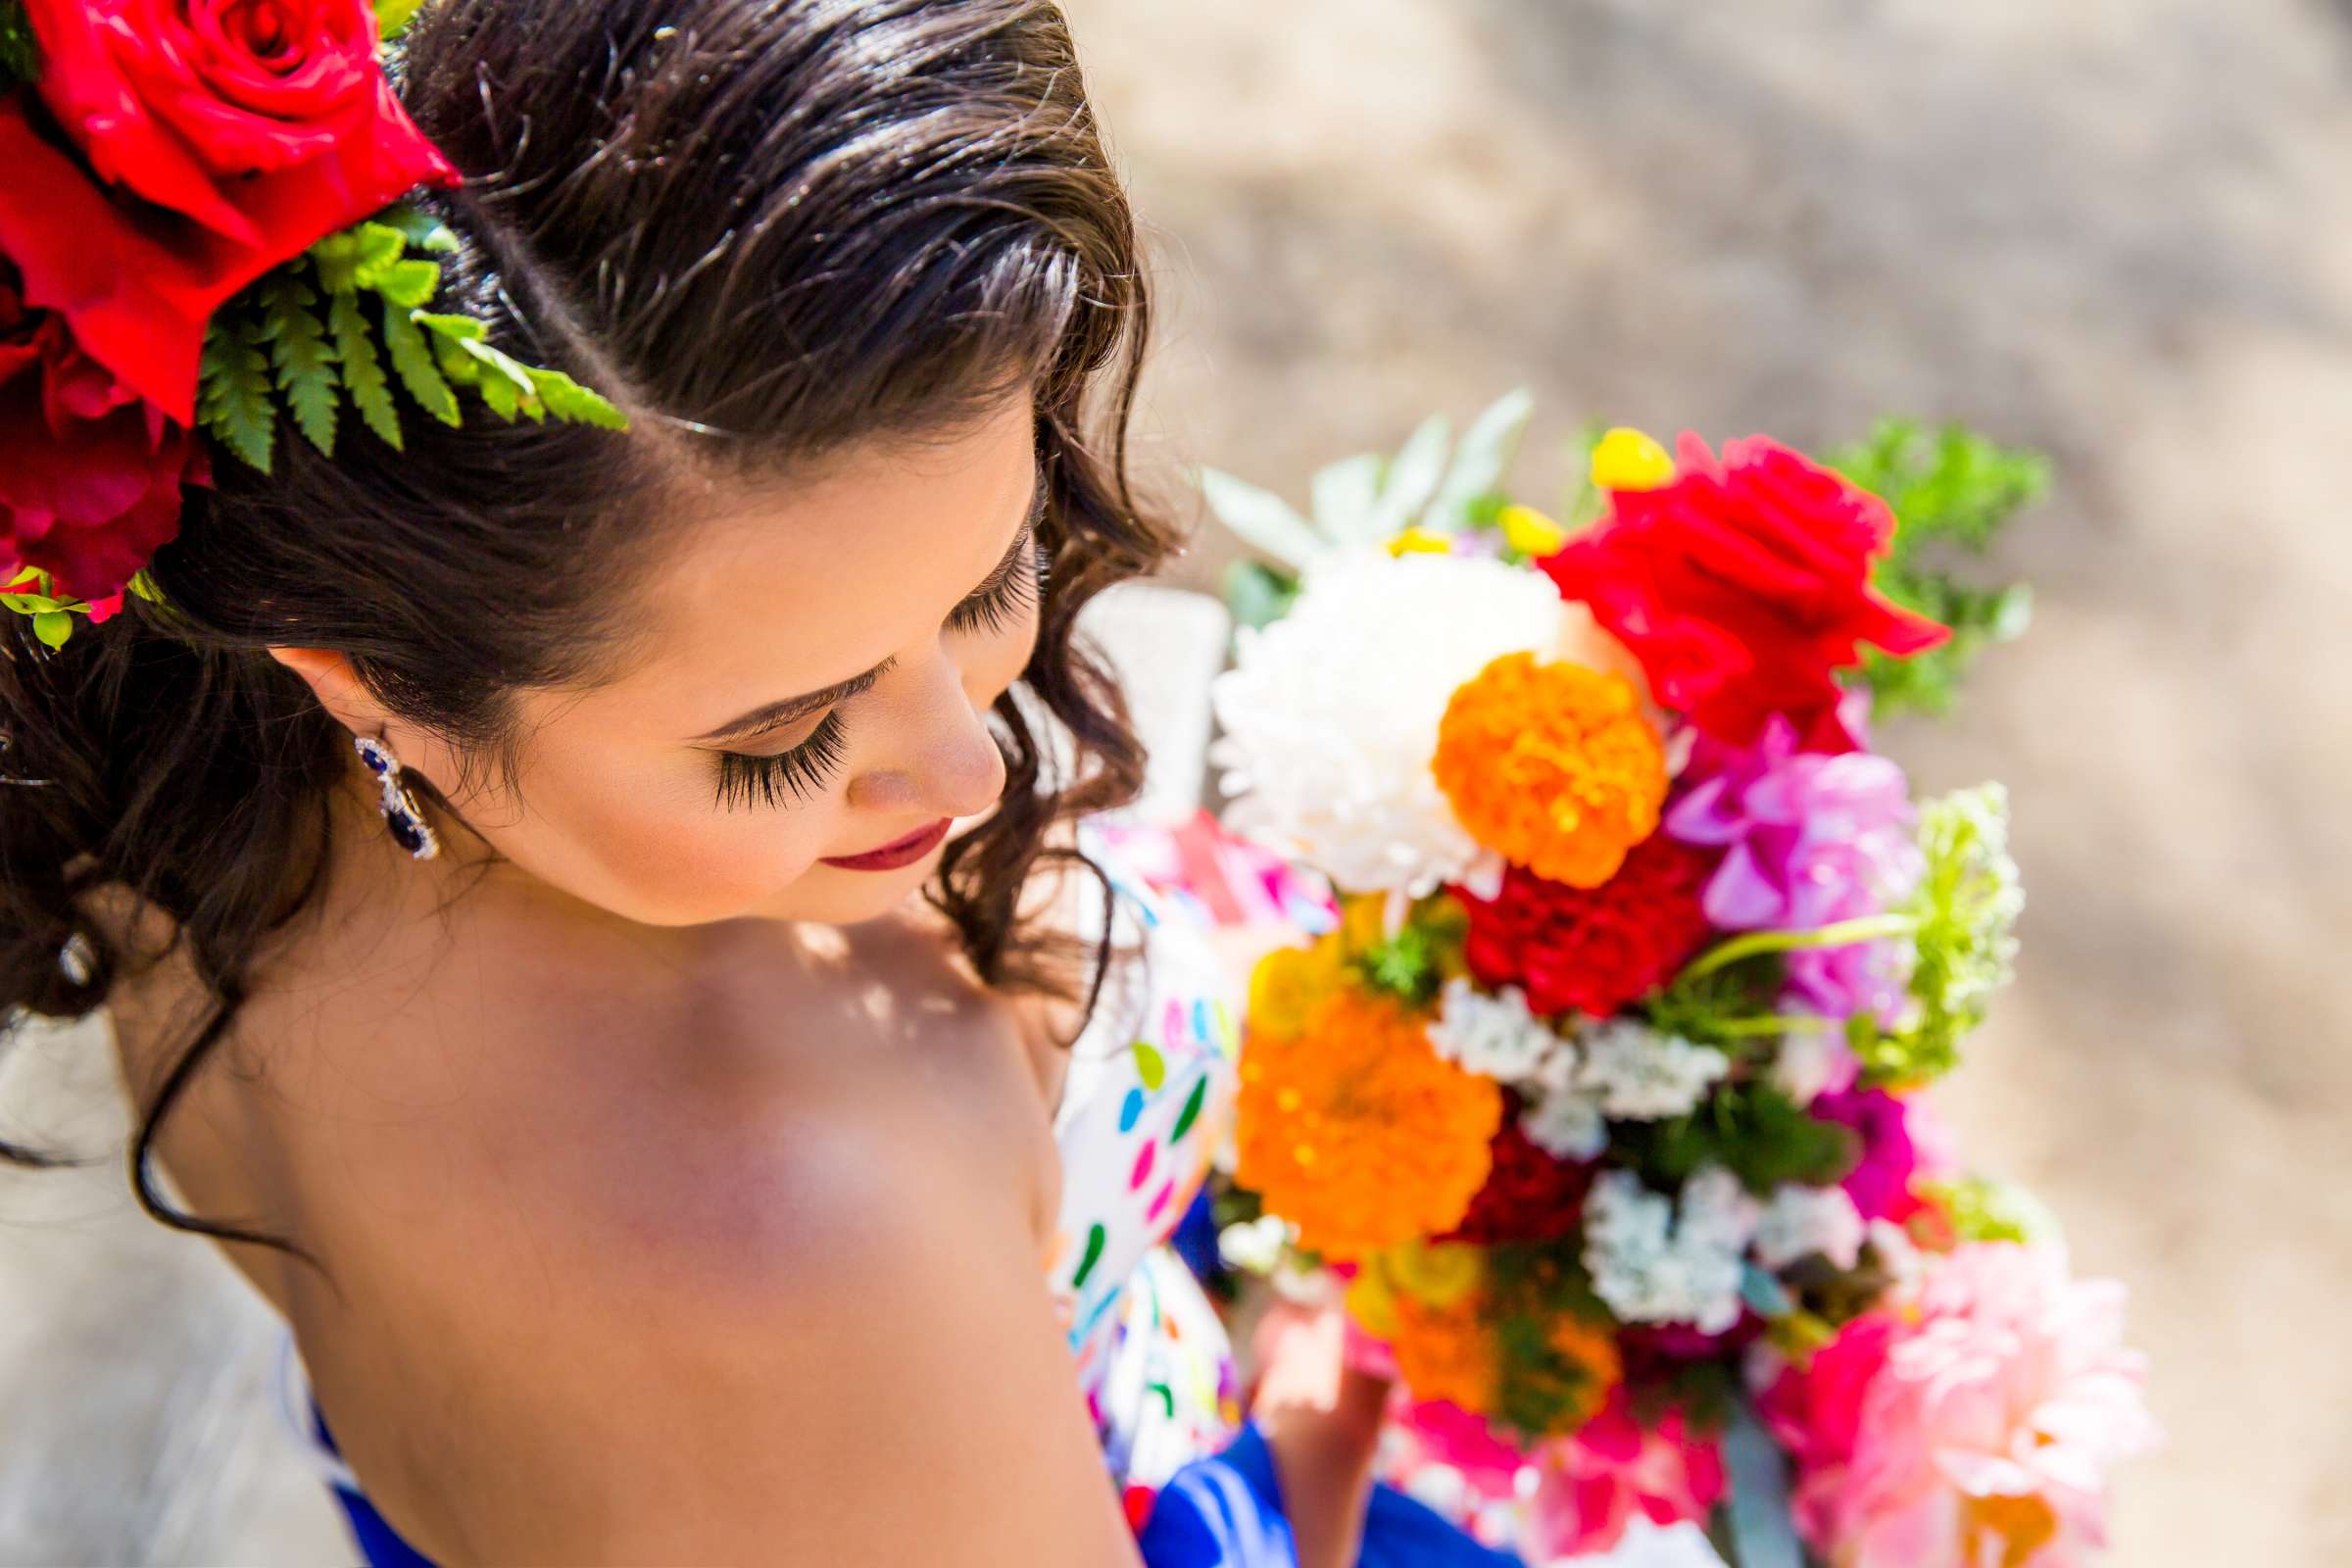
(813, 719)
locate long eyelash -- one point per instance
(1007, 601)
(802, 771)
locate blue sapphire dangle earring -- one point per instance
(402, 815)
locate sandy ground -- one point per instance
(2117, 231)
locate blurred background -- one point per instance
(2116, 233)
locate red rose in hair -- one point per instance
(1530, 1195)
(1742, 586)
(1593, 950)
(253, 128)
(89, 474)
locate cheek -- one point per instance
(661, 850)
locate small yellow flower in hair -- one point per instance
(1530, 532)
(1628, 459)
(1420, 542)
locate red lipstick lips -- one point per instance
(890, 857)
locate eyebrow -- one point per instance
(771, 716)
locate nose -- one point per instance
(950, 765)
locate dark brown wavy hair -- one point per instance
(768, 230)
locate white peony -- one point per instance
(1330, 714)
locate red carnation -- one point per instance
(245, 129)
(1742, 586)
(91, 475)
(1530, 1195)
(1593, 950)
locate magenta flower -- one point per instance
(1809, 840)
(1899, 1140)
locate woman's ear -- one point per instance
(337, 686)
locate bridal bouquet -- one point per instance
(1600, 1096)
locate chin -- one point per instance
(830, 896)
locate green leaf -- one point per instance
(413, 363)
(53, 627)
(460, 328)
(1261, 517)
(144, 586)
(420, 229)
(408, 283)
(1409, 483)
(394, 16)
(358, 257)
(362, 369)
(1952, 492)
(1345, 493)
(1258, 594)
(1481, 460)
(20, 51)
(233, 390)
(568, 399)
(299, 350)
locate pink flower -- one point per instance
(1592, 1483)
(1973, 1423)
(1900, 1140)
(1810, 839)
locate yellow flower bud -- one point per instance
(1628, 459)
(1420, 542)
(1530, 532)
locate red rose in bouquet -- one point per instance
(1593, 950)
(90, 474)
(1742, 586)
(248, 128)
(1530, 1195)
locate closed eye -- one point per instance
(1005, 598)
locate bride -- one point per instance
(600, 928)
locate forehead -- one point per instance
(796, 582)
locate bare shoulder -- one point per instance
(855, 1324)
(703, 1277)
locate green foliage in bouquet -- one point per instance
(1431, 483)
(1748, 1127)
(346, 322)
(1952, 492)
(1965, 919)
(1530, 1287)
(34, 592)
(1983, 1209)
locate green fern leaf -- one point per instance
(393, 16)
(358, 257)
(362, 372)
(506, 383)
(568, 399)
(457, 328)
(413, 363)
(409, 283)
(304, 359)
(422, 229)
(232, 391)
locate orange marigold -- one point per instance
(1553, 766)
(1356, 1131)
(1448, 1352)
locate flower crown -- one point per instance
(203, 226)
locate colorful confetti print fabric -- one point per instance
(1148, 1099)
